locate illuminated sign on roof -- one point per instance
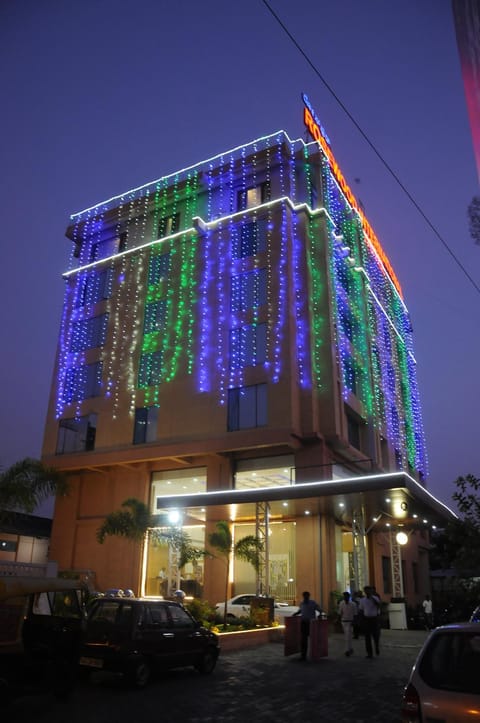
(318, 134)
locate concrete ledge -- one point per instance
(244, 639)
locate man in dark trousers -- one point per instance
(369, 613)
(308, 609)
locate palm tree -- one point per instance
(134, 521)
(26, 484)
(247, 549)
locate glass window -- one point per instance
(94, 287)
(150, 370)
(253, 196)
(452, 661)
(89, 333)
(104, 248)
(180, 617)
(247, 407)
(249, 239)
(248, 345)
(265, 472)
(76, 435)
(168, 225)
(178, 482)
(249, 290)
(158, 269)
(146, 424)
(82, 382)
(155, 314)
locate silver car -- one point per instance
(444, 684)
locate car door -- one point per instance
(241, 606)
(154, 635)
(189, 639)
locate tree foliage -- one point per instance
(458, 546)
(26, 484)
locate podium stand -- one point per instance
(318, 638)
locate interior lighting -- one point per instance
(402, 538)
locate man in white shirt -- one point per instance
(347, 610)
(370, 612)
(428, 612)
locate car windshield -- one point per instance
(452, 662)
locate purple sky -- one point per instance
(100, 96)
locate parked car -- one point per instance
(41, 624)
(444, 684)
(239, 607)
(136, 636)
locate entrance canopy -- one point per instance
(385, 500)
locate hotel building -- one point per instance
(235, 346)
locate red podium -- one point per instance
(318, 645)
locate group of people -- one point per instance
(361, 613)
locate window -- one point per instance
(168, 225)
(159, 268)
(387, 575)
(248, 345)
(89, 333)
(150, 370)
(253, 196)
(247, 407)
(8, 546)
(82, 382)
(145, 427)
(249, 290)
(94, 287)
(104, 248)
(122, 241)
(180, 617)
(155, 316)
(351, 375)
(249, 239)
(353, 432)
(76, 435)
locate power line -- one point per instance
(372, 146)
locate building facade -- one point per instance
(234, 346)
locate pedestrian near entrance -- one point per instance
(370, 611)
(307, 610)
(347, 611)
(428, 612)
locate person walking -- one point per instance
(370, 611)
(307, 610)
(347, 611)
(428, 612)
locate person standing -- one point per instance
(307, 610)
(347, 611)
(370, 611)
(428, 612)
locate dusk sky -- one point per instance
(100, 96)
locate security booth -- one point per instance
(318, 638)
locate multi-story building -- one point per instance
(235, 346)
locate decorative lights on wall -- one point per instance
(205, 289)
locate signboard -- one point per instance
(318, 134)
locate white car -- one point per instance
(444, 684)
(239, 607)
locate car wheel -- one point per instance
(208, 662)
(139, 673)
(231, 618)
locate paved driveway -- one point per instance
(252, 685)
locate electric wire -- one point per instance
(372, 146)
